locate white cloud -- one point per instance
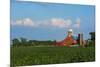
(57, 22)
(23, 22)
(53, 22)
(28, 22)
(77, 24)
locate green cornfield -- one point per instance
(32, 55)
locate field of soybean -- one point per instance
(32, 55)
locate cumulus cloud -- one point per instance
(28, 22)
(53, 22)
(23, 22)
(57, 22)
(77, 24)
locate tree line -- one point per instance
(24, 42)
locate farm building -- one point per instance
(72, 40)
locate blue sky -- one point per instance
(42, 21)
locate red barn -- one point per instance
(68, 41)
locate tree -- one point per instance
(15, 42)
(23, 41)
(92, 36)
(92, 42)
